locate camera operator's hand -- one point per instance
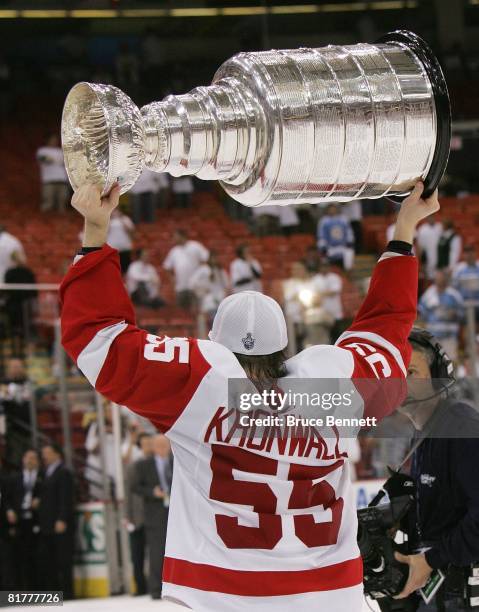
(413, 210)
(419, 573)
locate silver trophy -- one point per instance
(284, 127)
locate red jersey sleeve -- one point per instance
(378, 336)
(155, 376)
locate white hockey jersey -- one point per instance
(265, 525)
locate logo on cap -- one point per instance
(248, 342)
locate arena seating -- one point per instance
(464, 212)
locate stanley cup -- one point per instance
(277, 127)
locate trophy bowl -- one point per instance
(102, 137)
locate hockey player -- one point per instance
(269, 529)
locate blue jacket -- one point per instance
(446, 471)
(441, 311)
(334, 233)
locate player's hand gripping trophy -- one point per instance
(308, 125)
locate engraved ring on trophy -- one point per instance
(285, 127)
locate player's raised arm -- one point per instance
(154, 376)
(378, 336)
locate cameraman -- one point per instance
(444, 525)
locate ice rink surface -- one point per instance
(121, 603)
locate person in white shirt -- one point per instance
(183, 189)
(296, 291)
(129, 450)
(304, 306)
(55, 186)
(143, 282)
(245, 271)
(288, 220)
(183, 260)
(11, 251)
(330, 285)
(120, 237)
(143, 196)
(210, 285)
(428, 235)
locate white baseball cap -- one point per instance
(250, 323)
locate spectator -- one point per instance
(55, 186)
(9, 248)
(20, 305)
(449, 247)
(466, 277)
(428, 235)
(7, 532)
(183, 189)
(93, 468)
(56, 522)
(353, 211)
(330, 284)
(293, 288)
(143, 282)
(183, 260)
(303, 303)
(163, 190)
(15, 371)
(245, 271)
(23, 514)
(318, 322)
(288, 220)
(15, 396)
(265, 219)
(312, 260)
(336, 238)
(210, 285)
(131, 450)
(143, 196)
(442, 308)
(120, 237)
(152, 481)
(135, 517)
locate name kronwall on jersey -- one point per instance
(286, 440)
